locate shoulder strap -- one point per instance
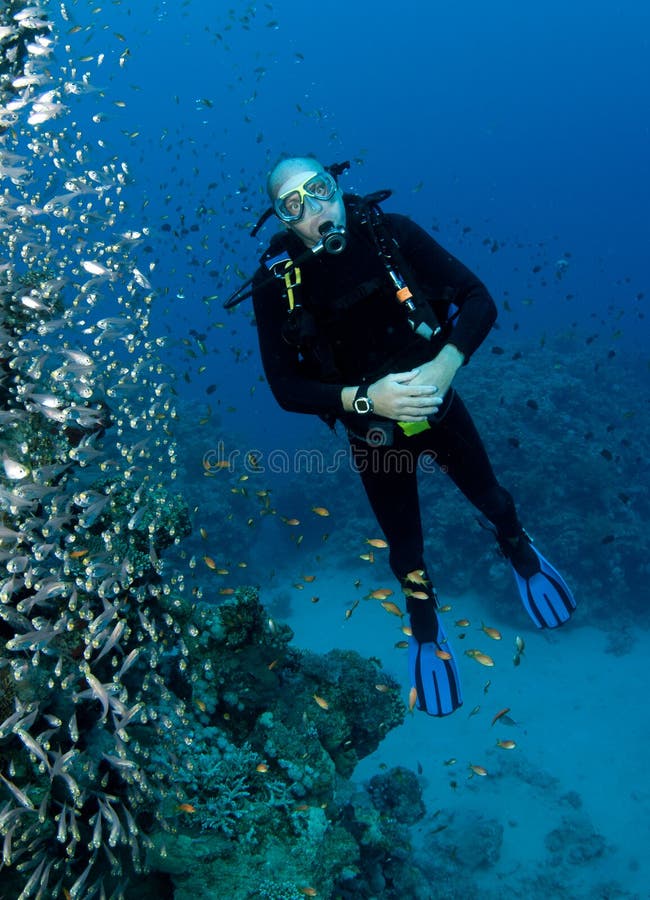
(419, 312)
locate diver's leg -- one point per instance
(460, 452)
(389, 476)
(458, 447)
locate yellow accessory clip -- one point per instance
(289, 284)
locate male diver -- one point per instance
(363, 318)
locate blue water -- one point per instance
(498, 125)
(525, 126)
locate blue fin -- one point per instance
(545, 594)
(436, 680)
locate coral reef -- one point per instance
(256, 764)
(84, 514)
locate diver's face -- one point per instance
(310, 200)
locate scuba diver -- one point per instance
(363, 318)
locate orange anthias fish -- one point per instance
(416, 577)
(502, 712)
(186, 808)
(321, 702)
(478, 770)
(413, 696)
(483, 659)
(378, 543)
(491, 632)
(392, 608)
(320, 510)
(348, 612)
(506, 745)
(380, 594)
(417, 595)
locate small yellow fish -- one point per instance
(483, 659)
(186, 808)
(478, 770)
(413, 696)
(392, 608)
(382, 688)
(262, 767)
(442, 654)
(462, 623)
(380, 594)
(348, 612)
(416, 577)
(320, 510)
(321, 702)
(502, 712)
(378, 543)
(401, 645)
(506, 745)
(491, 632)
(417, 595)
(210, 563)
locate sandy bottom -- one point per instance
(582, 735)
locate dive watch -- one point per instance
(362, 404)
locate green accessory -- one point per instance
(411, 428)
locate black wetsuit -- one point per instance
(351, 329)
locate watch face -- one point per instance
(362, 405)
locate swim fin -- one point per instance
(434, 674)
(545, 594)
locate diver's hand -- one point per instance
(440, 370)
(402, 397)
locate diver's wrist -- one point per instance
(347, 397)
(452, 354)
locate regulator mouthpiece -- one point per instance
(334, 239)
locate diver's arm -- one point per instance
(399, 396)
(446, 280)
(291, 388)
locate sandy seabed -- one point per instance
(573, 796)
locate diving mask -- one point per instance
(290, 205)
